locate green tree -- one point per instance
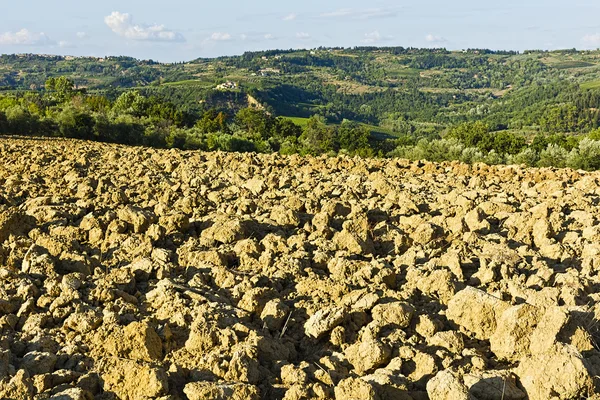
(471, 134)
(213, 121)
(63, 86)
(353, 137)
(132, 103)
(75, 124)
(286, 128)
(3, 123)
(317, 138)
(586, 156)
(20, 121)
(255, 121)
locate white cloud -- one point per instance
(372, 37)
(81, 35)
(302, 35)
(343, 12)
(591, 41)
(434, 39)
(243, 36)
(270, 36)
(290, 17)
(220, 36)
(25, 37)
(122, 24)
(375, 37)
(369, 13)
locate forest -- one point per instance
(537, 108)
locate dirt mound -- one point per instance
(137, 273)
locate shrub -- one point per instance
(494, 158)
(586, 156)
(471, 155)
(553, 156)
(527, 157)
(3, 123)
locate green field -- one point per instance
(299, 121)
(591, 85)
(572, 64)
(196, 82)
(377, 131)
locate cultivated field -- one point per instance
(136, 273)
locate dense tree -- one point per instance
(63, 86)
(353, 137)
(317, 138)
(255, 121)
(213, 121)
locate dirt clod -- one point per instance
(131, 273)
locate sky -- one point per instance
(180, 30)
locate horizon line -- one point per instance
(519, 52)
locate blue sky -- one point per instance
(178, 30)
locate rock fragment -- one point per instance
(476, 311)
(324, 321)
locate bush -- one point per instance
(227, 142)
(3, 123)
(471, 155)
(553, 156)
(586, 156)
(472, 134)
(20, 121)
(317, 138)
(527, 157)
(434, 150)
(494, 158)
(75, 124)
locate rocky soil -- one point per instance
(131, 273)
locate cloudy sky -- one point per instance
(180, 30)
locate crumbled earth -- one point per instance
(134, 273)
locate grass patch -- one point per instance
(377, 131)
(298, 121)
(194, 82)
(590, 85)
(571, 64)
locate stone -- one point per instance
(367, 354)
(396, 313)
(449, 340)
(274, 314)
(20, 386)
(493, 385)
(224, 231)
(72, 394)
(355, 389)
(560, 372)
(137, 341)
(476, 311)
(283, 216)
(138, 218)
(512, 337)
(38, 363)
(130, 380)
(220, 391)
(324, 321)
(355, 236)
(446, 385)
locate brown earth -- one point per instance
(136, 273)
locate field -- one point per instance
(299, 121)
(590, 85)
(137, 273)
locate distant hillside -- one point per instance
(489, 101)
(368, 84)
